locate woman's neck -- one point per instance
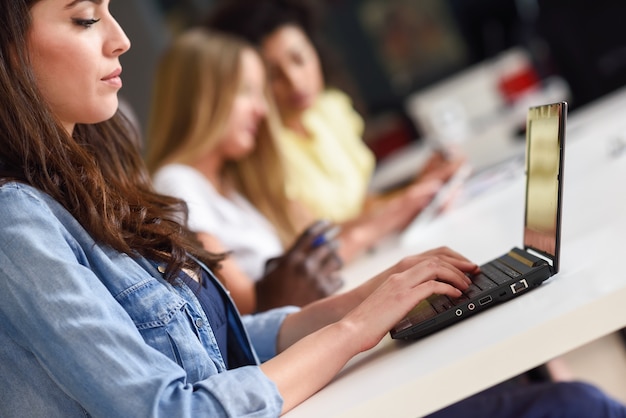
(295, 122)
(212, 168)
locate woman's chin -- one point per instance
(101, 116)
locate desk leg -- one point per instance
(539, 374)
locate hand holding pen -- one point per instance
(307, 271)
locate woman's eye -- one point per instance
(87, 23)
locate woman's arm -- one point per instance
(383, 218)
(392, 212)
(363, 316)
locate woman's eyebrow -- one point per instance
(75, 2)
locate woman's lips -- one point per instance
(114, 78)
(301, 100)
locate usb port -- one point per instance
(519, 286)
(485, 300)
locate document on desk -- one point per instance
(437, 204)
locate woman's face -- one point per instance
(294, 68)
(74, 47)
(249, 108)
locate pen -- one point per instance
(326, 236)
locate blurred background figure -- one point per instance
(328, 166)
(210, 144)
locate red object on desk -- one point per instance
(516, 84)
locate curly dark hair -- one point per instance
(256, 20)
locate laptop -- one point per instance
(521, 269)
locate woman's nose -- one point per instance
(261, 107)
(118, 43)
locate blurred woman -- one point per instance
(210, 144)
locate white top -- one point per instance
(238, 225)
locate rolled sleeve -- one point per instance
(263, 330)
(262, 401)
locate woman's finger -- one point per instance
(435, 268)
(453, 257)
(331, 282)
(310, 234)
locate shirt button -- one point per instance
(161, 269)
(199, 322)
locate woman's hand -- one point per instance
(307, 271)
(440, 167)
(445, 268)
(423, 189)
(393, 293)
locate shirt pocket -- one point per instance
(165, 322)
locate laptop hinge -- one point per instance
(529, 257)
(545, 258)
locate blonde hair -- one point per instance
(194, 91)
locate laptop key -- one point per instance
(459, 300)
(484, 282)
(421, 312)
(441, 303)
(473, 291)
(494, 274)
(506, 269)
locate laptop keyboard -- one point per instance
(491, 275)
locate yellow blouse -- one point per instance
(328, 172)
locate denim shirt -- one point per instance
(88, 331)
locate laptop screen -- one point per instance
(544, 141)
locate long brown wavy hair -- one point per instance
(97, 174)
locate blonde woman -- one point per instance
(210, 144)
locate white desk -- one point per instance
(583, 302)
